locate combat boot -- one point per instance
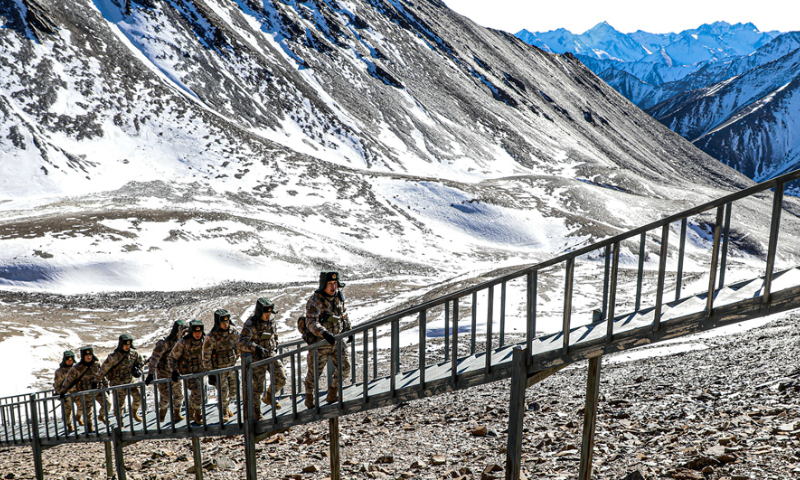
(333, 395)
(268, 400)
(176, 415)
(136, 416)
(229, 412)
(162, 414)
(257, 414)
(79, 420)
(70, 427)
(309, 400)
(197, 416)
(102, 418)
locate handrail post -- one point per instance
(726, 233)
(606, 275)
(612, 294)
(197, 456)
(640, 272)
(422, 346)
(117, 443)
(774, 227)
(681, 252)
(712, 280)
(489, 324)
(568, 274)
(590, 418)
(530, 333)
(251, 472)
(454, 360)
(662, 266)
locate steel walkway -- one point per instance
(383, 375)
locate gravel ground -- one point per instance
(728, 409)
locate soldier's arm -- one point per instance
(155, 357)
(313, 313)
(109, 362)
(208, 351)
(174, 356)
(245, 342)
(73, 372)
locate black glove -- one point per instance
(136, 371)
(212, 380)
(148, 379)
(329, 337)
(261, 353)
(94, 384)
(62, 396)
(175, 376)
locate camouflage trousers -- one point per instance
(226, 388)
(68, 411)
(120, 400)
(260, 378)
(323, 354)
(86, 402)
(195, 387)
(164, 401)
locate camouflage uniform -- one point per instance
(158, 363)
(60, 375)
(81, 377)
(255, 333)
(119, 368)
(186, 358)
(220, 351)
(325, 313)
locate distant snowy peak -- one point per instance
(707, 43)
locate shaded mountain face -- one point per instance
(168, 144)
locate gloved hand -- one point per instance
(62, 396)
(136, 371)
(175, 376)
(94, 384)
(148, 379)
(261, 353)
(212, 380)
(329, 337)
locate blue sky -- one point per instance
(626, 15)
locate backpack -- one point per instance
(307, 336)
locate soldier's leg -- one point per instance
(308, 384)
(163, 401)
(277, 381)
(136, 403)
(196, 399)
(87, 406)
(232, 389)
(68, 414)
(345, 368)
(105, 406)
(177, 399)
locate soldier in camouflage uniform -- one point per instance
(220, 351)
(158, 363)
(81, 377)
(67, 361)
(326, 316)
(260, 337)
(186, 358)
(120, 368)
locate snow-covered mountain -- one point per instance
(186, 145)
(727, 88)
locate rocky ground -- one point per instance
(726, 410)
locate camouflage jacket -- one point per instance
(159, 358)
(86, 379)
(257, 332)
(61, 374)
(186, 356)
(219, 349)
(319, 308)
(118, 367)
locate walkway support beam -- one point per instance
(333, 429)
(516, 413)
(590, 418)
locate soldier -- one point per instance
(260, 337)
(81, 377)
(158, 363)
(67, 361)
(186, 358)
(326, 316)
(219, 351)
(120, 368)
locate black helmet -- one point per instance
(124, 339)
(220, 316)
(85, 350)
(67, 354)
(263, 305)
(325, 277)
(176, 328)
(196, 326)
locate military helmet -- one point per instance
(177, 326)
(220, 315)
(196, 326)
(124, 339)
(67, 354)
(263, 305)
(85, 350)
(325, 277)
